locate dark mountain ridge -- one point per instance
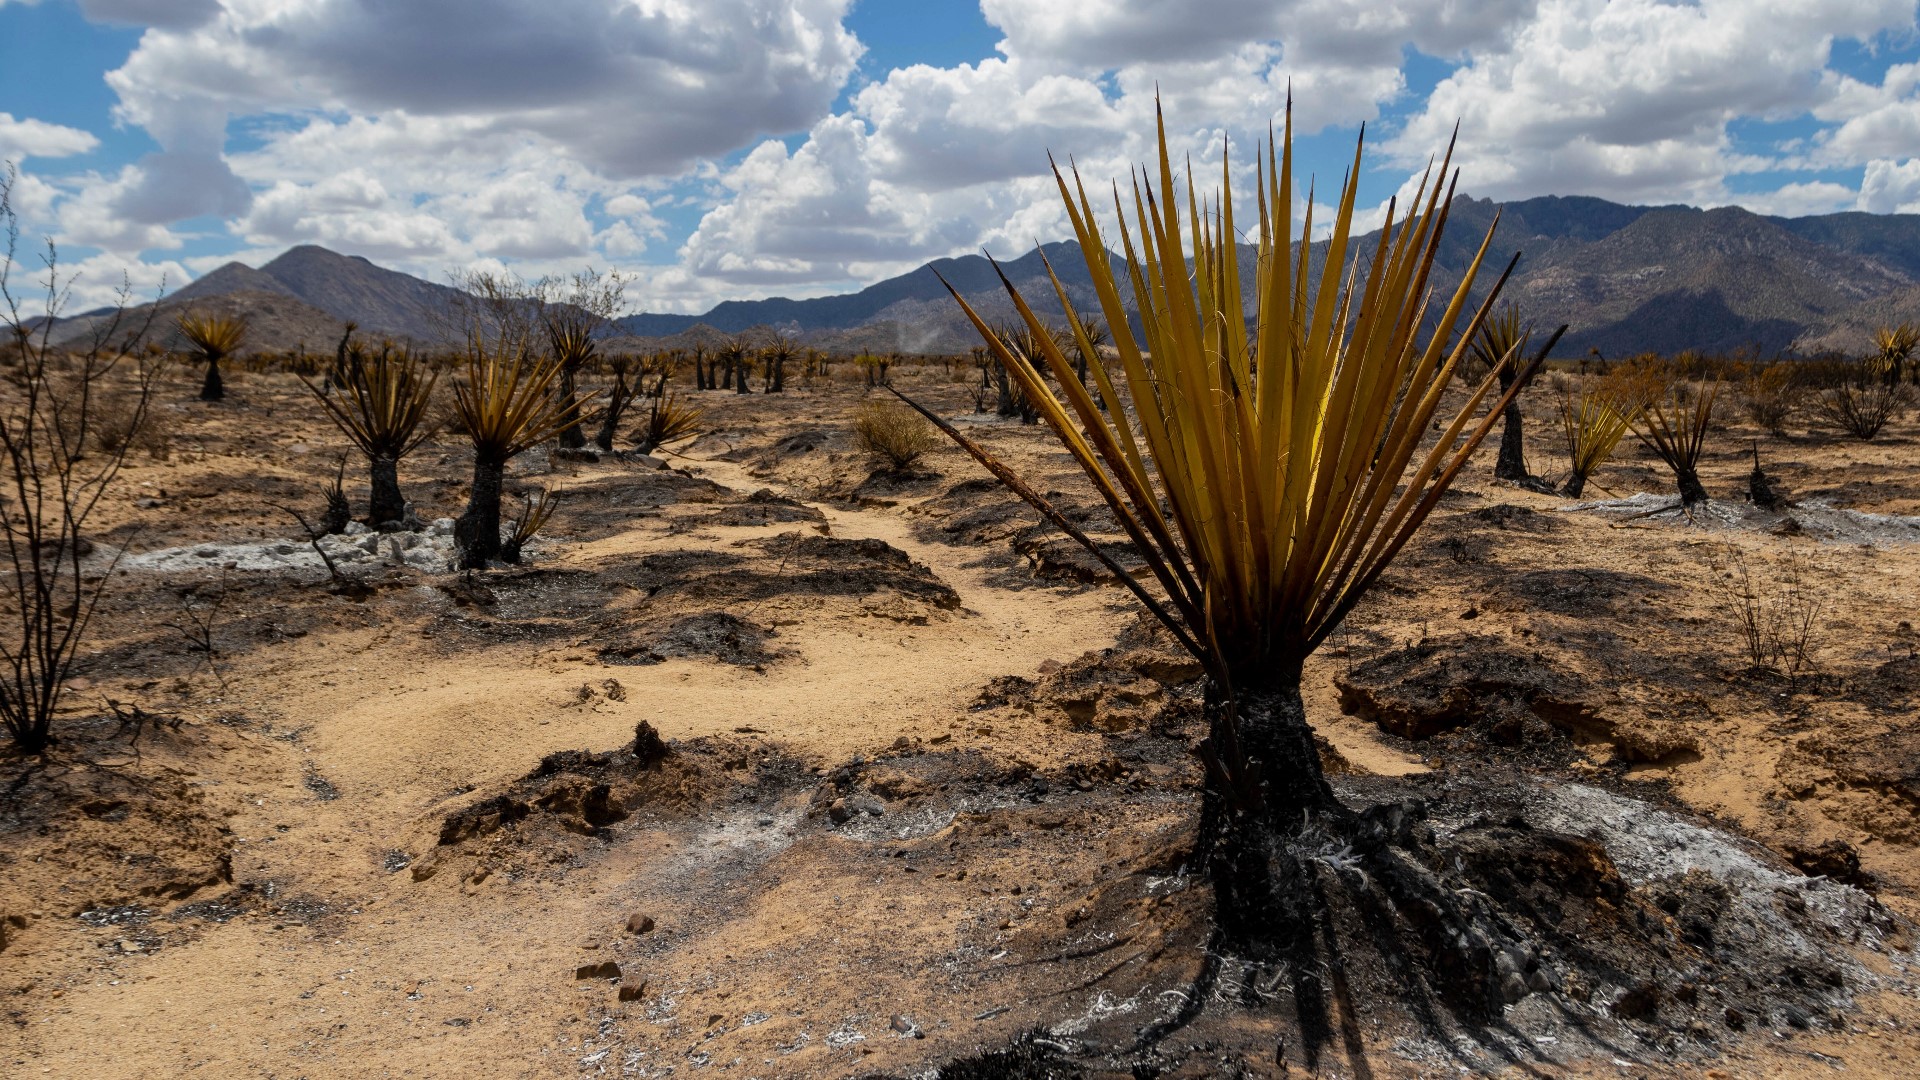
(1626, 279)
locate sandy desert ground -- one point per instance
(926, 778)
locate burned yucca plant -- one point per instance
(381, 407)
(1502, 336)
(1893, 348)
(508, 403)
(214, 338)
(668, 420)
(1267, 475)
(1674, 422)
(1593, 422)
(533, 516)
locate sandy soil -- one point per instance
(930, 779)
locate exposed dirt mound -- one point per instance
(713, 635)
(1499, 696)
(107, 828)
(1869, 779)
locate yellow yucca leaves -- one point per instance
(1289, 454)
(1595, 420)
(507, 400)
(215, 336)
(386, 398)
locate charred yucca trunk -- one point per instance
(213, 387)
(476, 532)
(1512, 462)
(385, 506)
(570, 436)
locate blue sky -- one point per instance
(797, 147)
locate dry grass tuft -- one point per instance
(893, 433)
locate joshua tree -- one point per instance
(574, 314)
(214, 337)
(778, 353)
(381, 408)
(56, 470)
(732, 357)
(1265, 498)
(1502, 337)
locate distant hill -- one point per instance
(1626, 279)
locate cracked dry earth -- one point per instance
(773, 764)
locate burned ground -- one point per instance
(930, 781)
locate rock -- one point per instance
(632, 988)
(639, 923)
(839, 811)
(906, 1028)
(605, 969)
(356, 528)
(149, 504)
(648, 461)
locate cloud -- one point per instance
(1632, 99)
(634, 89)
(25, 137)
(1891, 187)
(167, 14)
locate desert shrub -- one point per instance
(1593, 419)
(122, 422)
(53, 481)
(1770, 396)
(1861, 407)
(1776, 610)
(893, 433)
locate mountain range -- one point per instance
(1627, 279)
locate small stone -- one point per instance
(149, 504)
(639, 923)
(605, 969)
(1736, 1019)
(763, 821)
(632, 987)
(839, 811)
(904, 1026)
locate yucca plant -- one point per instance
(735, 364)
(619, 396)
(572, 345)
(1594, 421)
(214, 337)
(774, 359)
(1501, 336)
(527, 524)
(381, 407)
(508, 403)
(1268, 474)
(1893, 348)
(1674, 422)
(668, 420)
